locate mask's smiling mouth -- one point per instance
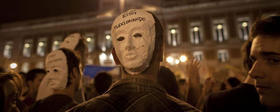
(130, 56)
(51, 82)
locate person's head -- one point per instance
(2, 70)
(33, 79)
(62, 67)
(137, 41)
(11, 85)
(102, 82)
(263, 59)
(231, 82)
(166, 75)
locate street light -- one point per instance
(219, 26)
(170, 59)
(27, 45)
(56, 42)
(195, 29)
(41, 44)
(173, 31)
(244, 24)
(183, 58)
(177, 61)
(88, 39)
(102, 56)
(13, 65)
(108, 37)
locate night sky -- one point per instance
(20, 10)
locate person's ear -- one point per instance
(117, 61)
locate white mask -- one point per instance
(71, 41)
(57, 70)
(133, 37)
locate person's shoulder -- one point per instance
(97, 104)
(242, 97)
(243, 91)
(183, 105)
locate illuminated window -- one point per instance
(8, 49)
(173, 35)
(90, 41)
(105, 42)
(196, 34)
(42, 46)
(223, 55)
(220, 34)
(243, 25)
(108, 41)
(106, 59)
(198, 55)
(56, 42)
(27, 48)
(25, 67)
(40, 64)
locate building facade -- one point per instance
(211, 31)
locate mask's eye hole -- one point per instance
(136, 35)
(55, 70)
(120, 38)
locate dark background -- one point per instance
(20, 10)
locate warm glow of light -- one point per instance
(56, 42)
(103, 48)
(122, 3)
(111, 56)
(219, 26)
(183, 58)
(27, 45)
(102, 56)
(13, 65)
(8, 47)
(41, 44)
(108, 37)
(173, 31)
(150, 8)
(106, 14)
(177, 61)
(88, 39)
(244, 24)
(195, 29)
(170, 59)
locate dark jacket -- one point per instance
(135, 95)
(53, 103)
(243, 98)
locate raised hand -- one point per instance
(192, 71)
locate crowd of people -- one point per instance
(145, 86)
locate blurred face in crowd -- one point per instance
(36, 82)
(133, 37)
(265, 55)
(57, 70)
(38, 79)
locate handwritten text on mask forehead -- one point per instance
(132, 16)
(129, 21)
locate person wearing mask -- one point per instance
(137, 38)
